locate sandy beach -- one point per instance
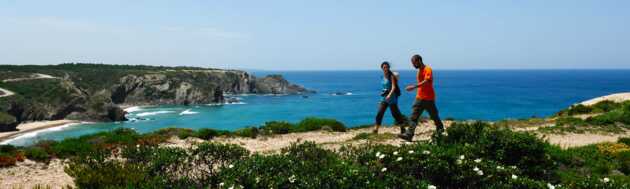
(617, 97)
(34, 126)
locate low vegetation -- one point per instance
(472, 155)
(605, 116)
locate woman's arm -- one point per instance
(394, 85)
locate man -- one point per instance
(425, 99)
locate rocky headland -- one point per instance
(98, 92)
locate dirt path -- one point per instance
(32, 77)
(5, 93)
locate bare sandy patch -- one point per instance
(29, 174)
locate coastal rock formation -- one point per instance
(276, 84)
(95, 92)
(196, 87)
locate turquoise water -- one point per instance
(352, 97)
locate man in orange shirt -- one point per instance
(425, 99)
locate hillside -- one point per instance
(96, 92)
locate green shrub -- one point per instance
(277, 127)
(571, 121)
(312, 124)
(8, 149)
(576, 110)
(505, 146)
(208, 134)
(624, 140)
(179, 132)
(606, 106)
(71, 147)
(37, 154)
(251, 132)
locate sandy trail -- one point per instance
(32, 77)
(5, 93)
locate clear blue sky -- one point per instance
(318, 35)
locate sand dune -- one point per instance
(617, 97)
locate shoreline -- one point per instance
(29, 127)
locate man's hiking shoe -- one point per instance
(405, 137)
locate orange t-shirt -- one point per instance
(425, 92)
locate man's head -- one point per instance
(416, 61)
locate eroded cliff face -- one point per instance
(179, 87)
(196, 87)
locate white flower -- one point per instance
(480, 172)
(478, 160)
(499, 167)
(606, 180)
(396, 153)
(257, 179)
(514, 177)
(399, 159)
(462, 157)
(426, 152)
(384, 169)
(476, 169)
(382, 156)
(230, 166)
(137, 145)
(431, 187)
(513, 167)
(231, 187)
(410, 152)
(550, 186)
(458, 162)
(378, 154)
(221, 184)
(292, 179)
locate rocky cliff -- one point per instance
(96, 92)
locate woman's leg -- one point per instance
(400, 119)
(379, 116)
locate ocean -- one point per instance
(352, 97)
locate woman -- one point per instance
(390, 95)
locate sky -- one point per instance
(319, 35)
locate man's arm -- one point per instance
(412, 87)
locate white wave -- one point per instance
(188, 112)
(341, 94)
(226, 103)
(133, 109)
(34, 134)
(153, 113)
